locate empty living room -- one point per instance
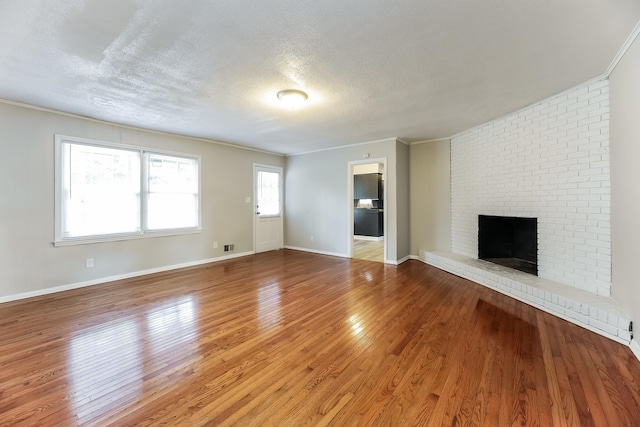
(177, 227)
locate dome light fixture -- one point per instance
(292, 98)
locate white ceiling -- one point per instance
(373, 69)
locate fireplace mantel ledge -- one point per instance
(597, 313)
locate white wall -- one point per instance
(317, 203)
(625, 181)
(29, 262)
(549, 161)
(430, 197)
(403, 202)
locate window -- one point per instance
(112, 192)
(268, 193)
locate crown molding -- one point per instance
(346, 146)
(426, 141)
(627, 44)
(140, 129)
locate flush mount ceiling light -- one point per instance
(292, 98)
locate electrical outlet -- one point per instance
(226, 248)
(232, 247)
(89, 262)
(247, 199)
(215, 245)
(311, 237)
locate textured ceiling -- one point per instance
(373, 69)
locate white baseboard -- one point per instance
(398, 262)
(404, 259)
(108, 279)
(635, 348)
(315, 251)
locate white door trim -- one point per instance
(278, 169)
(385, 217)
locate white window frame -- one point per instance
(61, 240)
(277, 171)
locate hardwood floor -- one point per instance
(288, 338)
(368, 250)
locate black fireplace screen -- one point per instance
(509, 241)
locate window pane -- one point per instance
(101, 190)
(268, 193)
(172, 192)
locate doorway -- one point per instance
(267, 195)
(367, 217)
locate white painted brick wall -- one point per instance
(549, 161)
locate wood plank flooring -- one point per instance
(368, 250)
(288, 338)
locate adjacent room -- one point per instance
(319, 213)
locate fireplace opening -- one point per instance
(509, 241)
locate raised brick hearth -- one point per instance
(597, 313)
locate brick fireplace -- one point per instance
(549, 161)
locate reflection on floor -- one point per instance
(368, 250)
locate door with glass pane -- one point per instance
(268, 207)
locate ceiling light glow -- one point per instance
(292, 98)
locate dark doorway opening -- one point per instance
(509, 241)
